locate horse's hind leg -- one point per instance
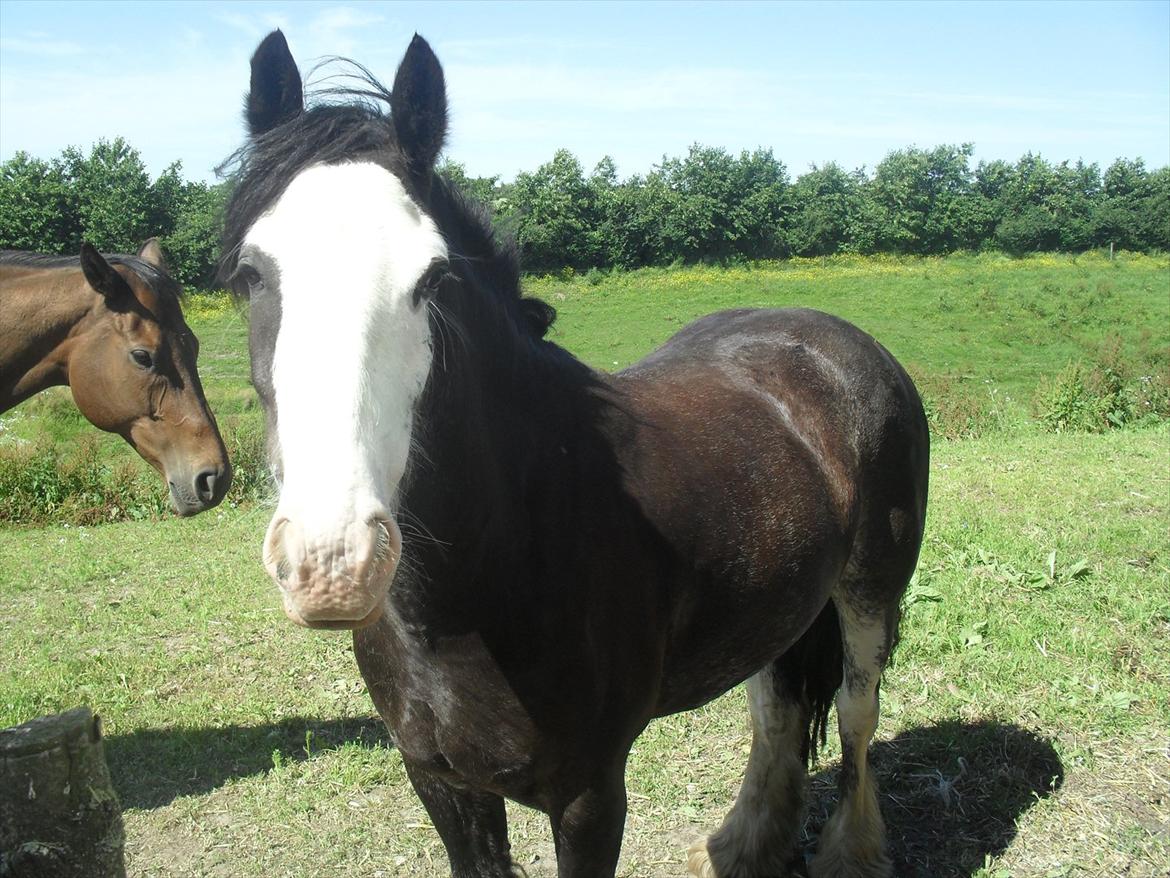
(852, 844)
(758, 837)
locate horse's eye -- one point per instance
(435, 276)
(249, 275)
(142, 358)
(431, 281)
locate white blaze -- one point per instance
(353, 352)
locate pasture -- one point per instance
(1025, 717)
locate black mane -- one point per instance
(331, 132)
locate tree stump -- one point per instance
(59, 815)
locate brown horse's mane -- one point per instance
(159, 280)
(169, 291)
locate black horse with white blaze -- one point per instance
(537, 558)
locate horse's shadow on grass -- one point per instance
(951, 793)
(152, 767)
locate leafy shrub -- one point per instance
(247, 450)
(1064, 403)
(40, 482)
(1111, 391)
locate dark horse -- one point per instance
(112, 329)
(537, 558)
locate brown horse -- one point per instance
(538, 558)
(112, 329)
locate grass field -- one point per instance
(1026, 725)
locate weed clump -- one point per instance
(1112, 390)
(44, 481)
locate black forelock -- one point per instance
(328, 132)
(352, 122)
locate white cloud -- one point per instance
(253, 26)
(607, 89)
(40, 45)
(188, 112)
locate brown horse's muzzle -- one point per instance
(195, 492)
(335, 581)
(188, 452)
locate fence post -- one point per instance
(59, 815)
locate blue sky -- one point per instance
(844, 82)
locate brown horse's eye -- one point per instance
(142, 358)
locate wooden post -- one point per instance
(59, 815)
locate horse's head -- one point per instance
(133, 373)
(329, 237)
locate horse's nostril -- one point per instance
(205, 485)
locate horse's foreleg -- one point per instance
(473, 826)
(588, 830)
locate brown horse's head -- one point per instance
(132, 372)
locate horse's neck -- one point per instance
(498, 469)
(41, 315)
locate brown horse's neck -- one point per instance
(42, 313)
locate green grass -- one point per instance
(1011, 321)
(1025, 728)
(984, 336)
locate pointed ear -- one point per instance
(151, 253)
(102, 277)
(418, 106)
(276, 94)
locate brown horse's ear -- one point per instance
(418, 106)
(276, 94)
(151, 253)
(101, 276)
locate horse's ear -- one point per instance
(418, 106)
(151, 253)
(276, 94)
(102, 277)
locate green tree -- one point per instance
(554, 215)
(1026, 222)
(38, 210)
(165, 200)
(826, 205)
(1154, 215)
(483, 190)
(1121, 216)
(928, 200)
(192, 245)
(113, 191)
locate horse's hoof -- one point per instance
(699, 861)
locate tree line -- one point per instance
(709, 205)
(109, 199)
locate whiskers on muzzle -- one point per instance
(384, 544)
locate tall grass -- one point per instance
(46, 481)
